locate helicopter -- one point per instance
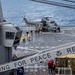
(45, 25)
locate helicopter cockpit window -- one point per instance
(52, 22)
(10, 35)
(17, 28)
(47, 18)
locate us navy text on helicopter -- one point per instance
(37, 58)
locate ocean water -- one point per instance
(13, 10)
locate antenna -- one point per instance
(55, 3)
(1, 13)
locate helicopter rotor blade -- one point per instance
(23, 17)
(55, 3)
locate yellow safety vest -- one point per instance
(23, 37)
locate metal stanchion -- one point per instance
(64, 71)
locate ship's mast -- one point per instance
(1, 14)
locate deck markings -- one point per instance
(69, 49)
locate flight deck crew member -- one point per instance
(29, 36)
(13, 72)
(50, 63)
(27, 33)
(20, 71)
(23, 38)
(31, 33)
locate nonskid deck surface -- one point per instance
(42, 42)
(45, 41)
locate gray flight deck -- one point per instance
(42, 42)
(45, 41)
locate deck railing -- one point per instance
(64, 71)
(43, 70)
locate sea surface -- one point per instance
(14, 10)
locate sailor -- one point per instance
(29, 36)
(20, 71)
(14, 56)
(50, 63)
(23, 38)
(31, 33)
(27, 33)
(13, 72)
